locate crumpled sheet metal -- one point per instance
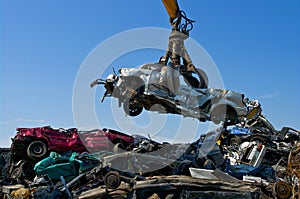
(191, 98)
(178, 187)
(135, 162)
(180, 180)
(182, 186)
(178, 91)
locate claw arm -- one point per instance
(176, 50)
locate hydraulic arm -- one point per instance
(176, 52)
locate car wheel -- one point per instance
(282, 189)
(37, 150)
(132, 108)
(112, 180)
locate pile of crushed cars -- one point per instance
(246, 160)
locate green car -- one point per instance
(68, 165)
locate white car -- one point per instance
(161, 88)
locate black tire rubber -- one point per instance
(112, 180)
(131, 108)
(37, 150)
(282, 190)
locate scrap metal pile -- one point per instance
(231, 162)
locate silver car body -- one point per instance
(163, 82)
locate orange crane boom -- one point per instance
(172, 8)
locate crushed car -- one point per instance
(148, 87)
(106, 140)
(69, 165)
(30, 145)
(35, 143)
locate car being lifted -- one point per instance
(161, 88)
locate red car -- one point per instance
(35, 143)
(106, 139)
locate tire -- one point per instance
(112, 180)
(132, 108)
(37, 150)
(282, 190)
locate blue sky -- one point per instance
(255, 45)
